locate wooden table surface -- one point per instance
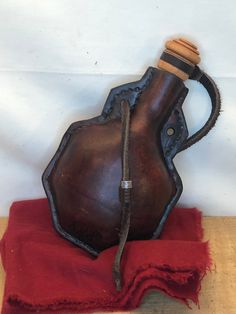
(218, 293)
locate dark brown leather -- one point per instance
(85, 180)
(82, 180)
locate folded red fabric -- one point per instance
(46, 273)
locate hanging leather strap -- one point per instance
(125, 192)
(211, 87)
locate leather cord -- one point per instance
(125, 193)
(211, 87)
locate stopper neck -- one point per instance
(179, 58)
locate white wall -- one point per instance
(59, 59)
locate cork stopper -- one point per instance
(179, 58)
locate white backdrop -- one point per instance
(59, 59)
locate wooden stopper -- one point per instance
(179, 58)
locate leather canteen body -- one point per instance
(87, 176)
(83, 180)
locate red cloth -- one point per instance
(44, 272)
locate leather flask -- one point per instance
(112, 178)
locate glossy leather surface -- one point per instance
(85, 179)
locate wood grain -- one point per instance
(185, 49)
(218, 288)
